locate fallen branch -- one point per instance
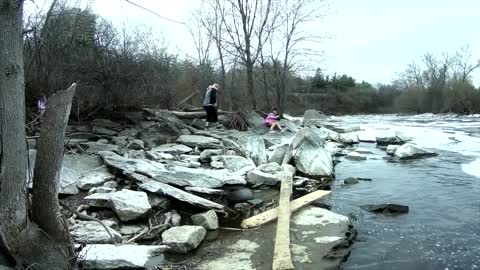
(161, 226)
(87, 217)
(185, 99)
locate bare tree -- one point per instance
(210, 17)
(201, 40)
(411, 77)
(293, 15)
(43, 241)
(464, 67)
(248, 25)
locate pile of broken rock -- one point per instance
(159, 184)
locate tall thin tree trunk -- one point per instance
(265, 83)
(233, 86)
(222, 78)
(250, 85)
(29, 245)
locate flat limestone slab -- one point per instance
(175, 175)
(167, 190)
(104, 256)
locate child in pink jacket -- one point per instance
(272, 120)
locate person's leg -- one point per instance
(214, 116)
(279, 126)
(272, 127)
(207, 110)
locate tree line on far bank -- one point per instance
(124, 68)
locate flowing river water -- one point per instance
(442, 229)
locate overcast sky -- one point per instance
(373, 39)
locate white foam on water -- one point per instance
(472, 168)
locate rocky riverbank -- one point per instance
(173, 194)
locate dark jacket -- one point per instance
(210, 98)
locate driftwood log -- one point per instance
(272, 214)
(193, 115)
(282, 258)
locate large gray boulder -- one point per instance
(121, 141)
(411, 151)
(127, 204)
(398, 138)
(171, 174)
(253, 146)
(313, 118)
(238, 165)
(208, 220)
(310, 155)
(140, 154)
(91, 232)
(136, 145)
(255, 120)
(158, 134)
(105, 256)
(268, 174)
(325, 133)
(94, 178)
(183, 239)
(279, 154)
(392, 148)
(232, 145)
(202, 142)
(257, 178)
(207, 154)
(333, 148)
(73, 168)
(347, 138)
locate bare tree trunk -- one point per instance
(13, 155)
(233, 86)
(45, 207)
(222, 77)
(265, 83)
(250, 85)
(29, 245)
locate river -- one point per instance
(442, 229)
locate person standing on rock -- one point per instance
(210, 104)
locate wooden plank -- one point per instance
(282, 259)
(272, 214)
